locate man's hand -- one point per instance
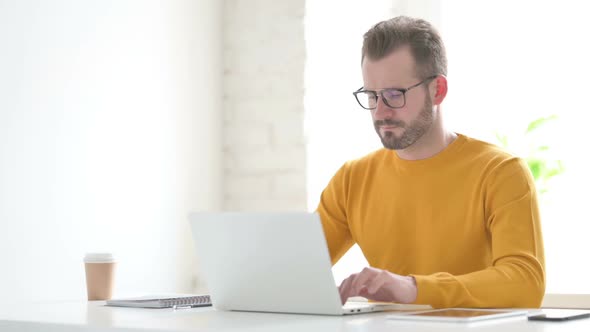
(379, 285)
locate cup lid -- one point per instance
(99, 258)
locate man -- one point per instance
(442, 219)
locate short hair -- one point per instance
(424, 41)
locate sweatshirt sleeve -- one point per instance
(332, 211)
(517, 275)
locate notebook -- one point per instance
(270, 262)
(162, 301)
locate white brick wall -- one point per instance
(264, 147)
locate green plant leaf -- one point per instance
(503, 139)
(536, 166)
(552, 172)
(539, 122)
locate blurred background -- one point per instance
(119, 117)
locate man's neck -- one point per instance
(430, 144)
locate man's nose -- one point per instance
(382, 108)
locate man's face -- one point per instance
(398, 128)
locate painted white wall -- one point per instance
(264, 146)
(110, 133)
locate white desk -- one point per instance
(93, 316)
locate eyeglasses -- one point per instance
(392, 97)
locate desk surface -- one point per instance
(94, 316)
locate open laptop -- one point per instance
(269, 262)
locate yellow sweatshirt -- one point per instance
(464, 223)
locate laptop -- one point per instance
(270, 262)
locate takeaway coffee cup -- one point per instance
(100, 275)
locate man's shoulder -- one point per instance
(486, 150)
(490, 157)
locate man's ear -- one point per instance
(441, 89)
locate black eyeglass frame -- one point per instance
(379, 93)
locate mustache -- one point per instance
(389, 122)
